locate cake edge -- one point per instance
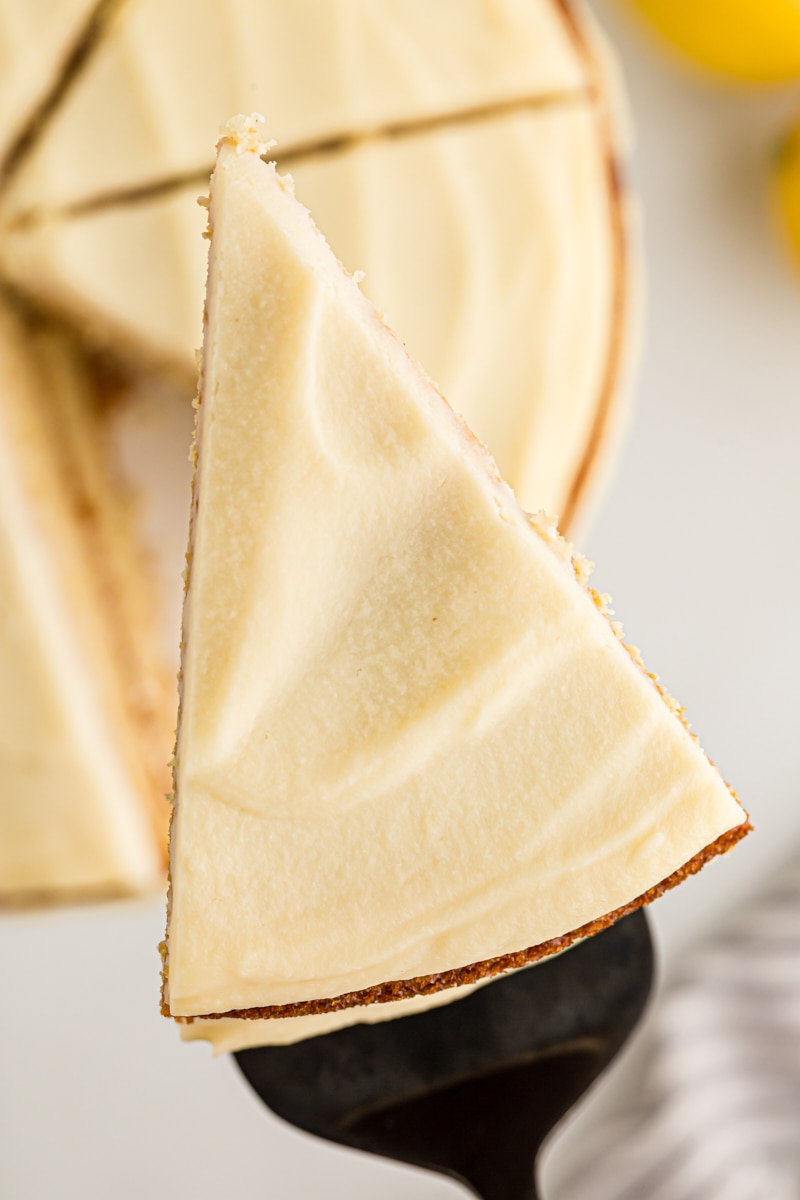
(422, 985)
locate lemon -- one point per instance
(753, 41)
(786, 188)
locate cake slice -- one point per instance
(84, 729)
(412, 752)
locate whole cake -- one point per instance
(412, 750)
(463, 154)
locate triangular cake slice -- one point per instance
(411, 751)
(82, 734)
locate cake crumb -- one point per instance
(246, 134)
(546, 525)
(635, 654)
(583, 567)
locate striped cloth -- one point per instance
(719, 1116)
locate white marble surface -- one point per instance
(697, 543)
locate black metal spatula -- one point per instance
(471, 1089)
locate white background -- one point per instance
(697, 542)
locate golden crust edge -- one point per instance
(614, 397)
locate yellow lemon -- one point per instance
(786, 187)
(754, 41)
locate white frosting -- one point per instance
(36, 37)
(491, 250)
(409, 740)
(492, 244)
(149, 102)
(490, 247)
(73, 797)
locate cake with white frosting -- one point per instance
(465, 155)
(413, 750)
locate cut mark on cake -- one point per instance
(82, 49)
(327, 147)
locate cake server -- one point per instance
(471, 1089)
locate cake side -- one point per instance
(401, 990)
(116, 559)
(227, 1035)
(73, 810)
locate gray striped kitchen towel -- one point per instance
(719, 1114)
